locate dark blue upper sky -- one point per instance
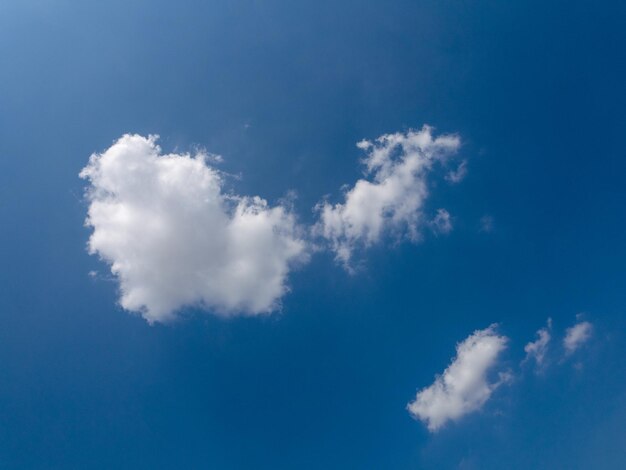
(283, 91)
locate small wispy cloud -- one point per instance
(392, 195)
(459, 174)
(442, 222)
(464, 386)
(576, 336)
(536, 350)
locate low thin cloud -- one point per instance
(464, 386)
(459, 174)
(576, 336)
(391, 197)
(536, 350)
(442, 222)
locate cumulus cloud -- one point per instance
(392, 194)
(174, 238)
(464, 386)
(537, 349)
(576, 336)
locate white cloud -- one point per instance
(576, 336)
(442, 223)
(537, 349)
(174, 238)
(458, 175)
(393, 197)
(464, 386)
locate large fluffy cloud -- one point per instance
(391, 197)
(464, 386)
(174, 238)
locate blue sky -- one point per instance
(310, 361)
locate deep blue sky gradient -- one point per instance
(284, 90)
